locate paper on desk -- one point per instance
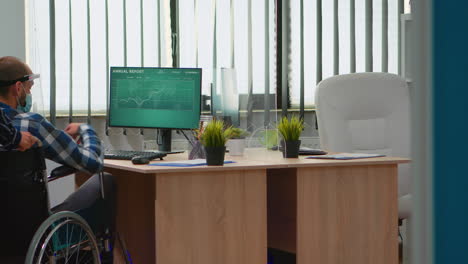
(184, 163)
(346, 156)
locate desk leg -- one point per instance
(347, 215)
(135, 214)
(211, 217)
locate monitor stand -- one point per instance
(163, 139)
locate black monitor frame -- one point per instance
(164, 134)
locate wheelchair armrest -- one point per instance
(60, 172)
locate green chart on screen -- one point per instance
(155, 97)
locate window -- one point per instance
(233, 42)
(90, 36)
(344, 53)
(199, 44)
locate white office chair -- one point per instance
(369, 113)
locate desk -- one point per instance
(326, 211)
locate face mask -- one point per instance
(28, 103)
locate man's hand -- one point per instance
(73, 129)
(27, 140)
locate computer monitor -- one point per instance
(165, 98)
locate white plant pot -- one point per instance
(236, 147)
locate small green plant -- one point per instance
(291, 128)
(237, 133)
(269, 138)
(214, 134)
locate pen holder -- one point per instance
(197, 152)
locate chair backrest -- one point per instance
(24, 200)
(366, 112)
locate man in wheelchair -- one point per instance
(76, 146)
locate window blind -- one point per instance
(314, 40)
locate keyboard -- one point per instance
(311, 151)
(129, 154)
(305, 151)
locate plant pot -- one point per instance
(290, 149)
(236, 146)
(215, 155)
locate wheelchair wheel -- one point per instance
(64, 237)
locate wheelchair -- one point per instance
(32, 233)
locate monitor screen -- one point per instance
(155, 97)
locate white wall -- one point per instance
(12, 28)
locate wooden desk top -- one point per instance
(253, 159)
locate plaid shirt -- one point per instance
(58, 145)
(9, 136)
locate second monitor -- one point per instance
(164, 98)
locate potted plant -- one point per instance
(236, 143)
(290, 129)
(214, 138)
(269, 138)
